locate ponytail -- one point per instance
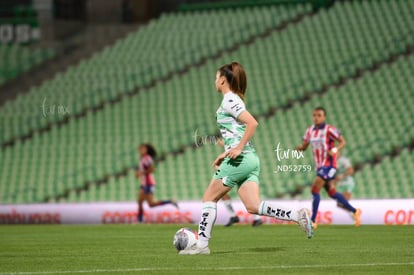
(150, 149)
(236, 77)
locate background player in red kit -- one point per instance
(146, 174)
(322, 136)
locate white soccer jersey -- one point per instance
(231, 129)
(343, 164)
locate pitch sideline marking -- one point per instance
(206, 269)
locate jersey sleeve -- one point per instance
(334, 133)
(306, 135)
(234, 106)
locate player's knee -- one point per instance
(315, 189)
(252, 209)
(152, 204)
(332, 192)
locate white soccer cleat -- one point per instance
(195, 250)
(305, 222)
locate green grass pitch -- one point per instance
(148, 249)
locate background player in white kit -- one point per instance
(344, 180)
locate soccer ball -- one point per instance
(184, 238)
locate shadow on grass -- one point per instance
(256, 249)
(267, 249)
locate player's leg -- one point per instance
(331, 189)
(153, 203)
(339, 188)
(347, 189)
(149, 196)
(226, 177)
(317, 185)
(141, 198)
(249, 194)
(344, 203)
(233, 217)
(215, 191)
(347, 195)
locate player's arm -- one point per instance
(341, 145)
(348, 172)
(305, 142)
(149, 170)
(303, 146)
(251, 124)
(219, 159)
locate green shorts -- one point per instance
(346, 185)
(245, 167)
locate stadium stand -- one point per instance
(172, 43)
(16, 59)
(68, 163)
(178, 177)
(389, 179)
(354, 109)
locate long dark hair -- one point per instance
(236, 77)
(150, 149)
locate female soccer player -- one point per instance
(238, 165)
(344, 181)
(146, 174)
(322, 137)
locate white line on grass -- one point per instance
(274, 267)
